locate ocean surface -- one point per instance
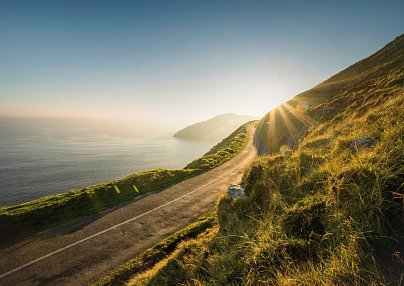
(39, 158)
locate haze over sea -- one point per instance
(39, 157)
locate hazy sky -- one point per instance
(171, 63)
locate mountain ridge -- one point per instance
(215, 128)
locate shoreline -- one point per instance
(39, 215)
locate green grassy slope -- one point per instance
(27, 218)
(321, 212)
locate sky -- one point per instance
(172, 63)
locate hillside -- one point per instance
(351, 90)
(326, 207)
(214, 129)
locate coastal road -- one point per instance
(82, 251)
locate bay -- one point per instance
(39, 158)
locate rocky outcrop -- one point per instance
(362, 142)
(236, 191)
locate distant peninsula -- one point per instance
(215, 128)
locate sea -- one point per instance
(44, 157)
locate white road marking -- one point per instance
(118, 225)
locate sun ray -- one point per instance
(272, 130)
(299, 114)
(289, 125)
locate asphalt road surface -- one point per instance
(82, 251)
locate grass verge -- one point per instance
(162, 250)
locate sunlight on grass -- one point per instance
(117, 190)
(136, 189)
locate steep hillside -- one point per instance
(215, 128)
(325, 210)
(351, 90)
